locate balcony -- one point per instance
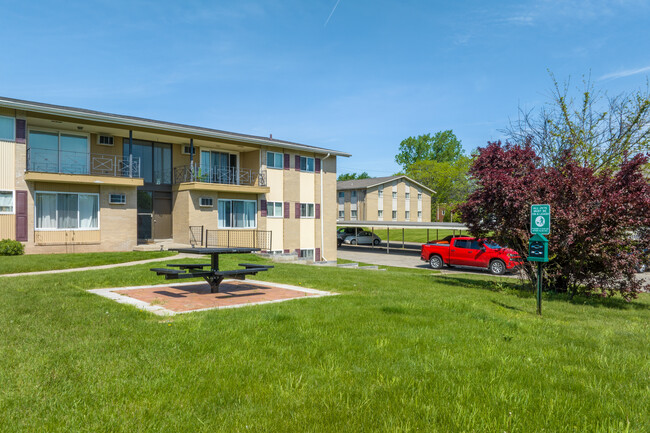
(227, 179)
(62, 166)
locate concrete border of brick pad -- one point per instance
(110, 293)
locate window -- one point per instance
(237, 213)
(394, 194)
(419, 196)
(394, 215)
(380, 214)
(306, 164)
(274, 209)
(353, 214)
(381, 191)
(274, 160)
(205, 202)
(341, 214)
(105, 140)
(307, 254)
(7, 128)
(117, 198)
(58, 152)
(6, 202)
(408, 195)
(341, 195)
(419, 214)
(187, 149)
(353, 194)
(407, 214)
(306, 210)
(60, 211)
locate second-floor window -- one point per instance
(381, 192)
(274, 209)
(306, 210)
(58, 152)
(306, 164)
(408, 195)
(274, 160)
(394, 194)
(353, 214)
(7, 128)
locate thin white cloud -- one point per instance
(331, 13)
(626, 73)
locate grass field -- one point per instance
(412, 235)
(42, 262)
(396, 351)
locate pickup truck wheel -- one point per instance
(435, 262)
(497, 267)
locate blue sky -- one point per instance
(357, 76)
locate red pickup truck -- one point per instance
(467, 251)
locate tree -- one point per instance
(594, 214)
(443, 146)
(353, 176)
(598, 130)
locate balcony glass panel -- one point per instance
(44, 151)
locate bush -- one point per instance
(9, 247)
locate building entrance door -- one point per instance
(162, 215)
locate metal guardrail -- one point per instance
(55, 161)
(239, 238)
(231, 176)
(196, 235)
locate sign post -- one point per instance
(540, 225)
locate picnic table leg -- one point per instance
(215, 262)
(214, 282)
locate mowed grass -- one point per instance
(396, 351)
(413, 235)
(43, 262)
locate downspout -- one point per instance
(322, 210)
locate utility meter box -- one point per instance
(538, 249)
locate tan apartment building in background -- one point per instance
(77, 180)
(392, 198)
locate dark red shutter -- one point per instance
(298, 251)
(21, 216)
(317, 211)
(264, 208)
(286, 161)
(297, 210)
(297, 162)
(318, 254)
(286, 209)
(286, 251)
(20, 131)
(317, 165)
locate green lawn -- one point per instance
(412, 235)
(396, 351)
(43, 262)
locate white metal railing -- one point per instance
(55, 161)
(232, 176)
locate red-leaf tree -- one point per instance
(595, 215)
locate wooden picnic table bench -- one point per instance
(213, 275)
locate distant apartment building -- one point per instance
(392, 198)
(76, 180)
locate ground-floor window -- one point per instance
(341, 215)
(6, 202)
(60, 211)
(407, 214)
(307, 254)
(353, 214)
(237, 214)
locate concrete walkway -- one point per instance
(112, 265)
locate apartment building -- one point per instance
(76, 180)
(392, 198)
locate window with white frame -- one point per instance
(353, 214)
(419, 214)
(306, 164)
(407, 195)
(117, 198)
(341, 214)
(407, 214)
(380, 214)
(65, 211)
(206, 202)
(307, 254)
(394, 194)
(341, 196)
(274, 209)
(7, 200)
(237, 213)
(274, 160)
(394, 215)
(306, 210)
(7, 128)
(380, 191)
(419, 196)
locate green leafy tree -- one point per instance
(353, 176)
(443, 146)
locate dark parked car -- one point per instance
(344, 232)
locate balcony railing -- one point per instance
(230, 176)
(54, 161)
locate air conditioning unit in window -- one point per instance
(186, 150)
(105, 140)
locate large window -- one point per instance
(7, 128)
(306, 210)
(6, 202)
(237, 214)
(306, 164)
(64, 211)
(274, 209)
(58, 152)
(274, 160)
(155, 160)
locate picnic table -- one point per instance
(210, 271)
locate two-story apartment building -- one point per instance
(392, 198)
(79, 180)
